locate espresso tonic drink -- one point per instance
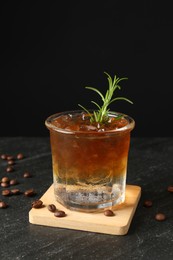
(89, 160)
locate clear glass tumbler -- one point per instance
(89, 167)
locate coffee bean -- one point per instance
(26, 175)
(10, 157)
(170, 188)
(13, 182)
(20, 156)
(15, 192)
(5, 179)
(4, 184)
(59, 214)
(4, 156)
(51, 207)
(160, 217)
(29, 193)
(11, 162)
(3, 205)
(148, 203)
(37, 204)
(6, 192)
(9, 169)
(109, 213)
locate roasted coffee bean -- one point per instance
(160, 217)
(37, 204)
(26, 175)
(4, 156)
(10, 157)
(148, 203)
(6, 192)
(170, 188)
(20, 156)
(3, 205)
(51, 207)
(13, 182)
(4, 184)
(59, 214)
(9, 169)
(5, 179)
(109, 213)
(29, 193)
(11, 162)
(15, 192)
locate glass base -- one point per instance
(90, 201)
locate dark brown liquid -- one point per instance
(89, 156)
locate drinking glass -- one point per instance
(89, 167)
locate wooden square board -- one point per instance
(93, 222)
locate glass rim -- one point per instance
(129, 127)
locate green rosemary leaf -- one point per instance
(121, 98)
(101, 115)
(121, 80)
(96, 104)
(118, 87)
(95, 116)
(96, 90)
(86, 110)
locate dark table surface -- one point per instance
(150, 166)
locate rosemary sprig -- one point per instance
(101, 114)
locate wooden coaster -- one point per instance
(93, 222)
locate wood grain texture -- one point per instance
(93, 222)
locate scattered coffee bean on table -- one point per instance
(51, 207)
(160, 217)
(20, 156)
(9, 169)
(10, 157)
(109, 213)
(29, 193)
(4, 184)
(5, 179)
(37, 204)
(11, 162)
(148, 203)
(13, 182)
(6, 192)
(26, 175)
(3, 205)
(170, 188)
(4, 156)
(15, 192)
(59, 214)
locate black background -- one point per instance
(51, 50)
